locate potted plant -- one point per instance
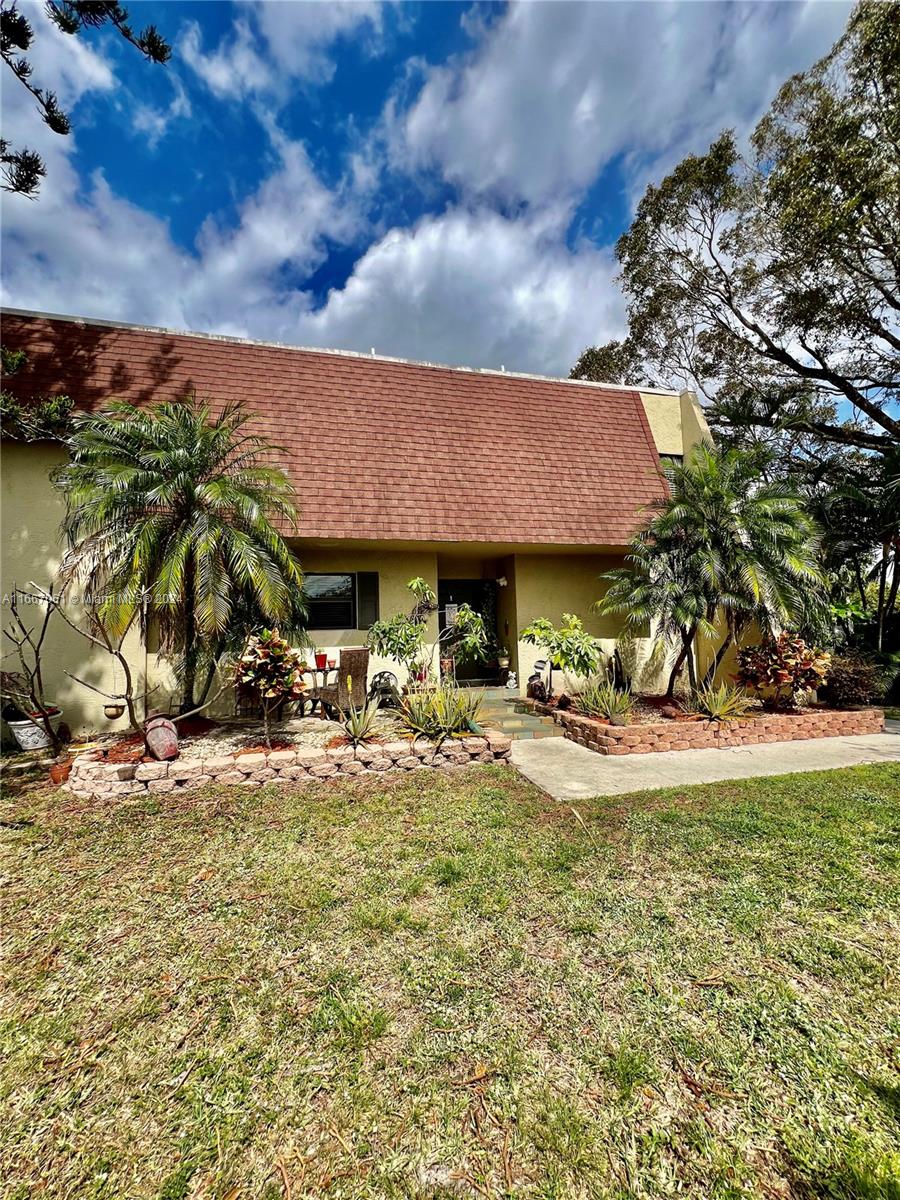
(502, 658)
(33, 722)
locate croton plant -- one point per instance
(779, 667)
(270, 668)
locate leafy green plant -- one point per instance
(569, 646)
(359, 723)
(724, 549)
(598, 698)
(270, 668)
(404, 636)
(723, 703)
(852, 679)
(183, 507)
(780, 666)
(438, 713)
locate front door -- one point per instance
(480, 595)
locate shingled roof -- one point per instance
(381, 448)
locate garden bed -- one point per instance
(95, 777)
(648, 737)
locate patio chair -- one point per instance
(338, 697)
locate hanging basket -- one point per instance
(113, 711)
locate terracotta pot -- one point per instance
(60, 771)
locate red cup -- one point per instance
(321, 660)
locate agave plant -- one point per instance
(438, 713)
(723, 703)
(359, 723)
(598, 698)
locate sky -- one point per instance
(437, 181)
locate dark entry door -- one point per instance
(478, 594)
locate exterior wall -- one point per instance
(676, 421)
(30, 551)
(395, 569)
(548, 585)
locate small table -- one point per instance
(313, 698)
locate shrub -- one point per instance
(600, 699)
(852, 679)
(724, 703)
(438, 713)
(569, 647)
(778, 667)
(270, 667)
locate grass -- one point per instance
(454, 987)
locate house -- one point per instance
(509, 491)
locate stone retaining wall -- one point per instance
(714, 735)
(92, 777)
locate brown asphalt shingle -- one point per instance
(380, 449)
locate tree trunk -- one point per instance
(190, 639)
(673, 674)
(717, 661)
(882, 584)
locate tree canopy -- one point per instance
(22, 170)
(182, 507)
(721, 551)
(770, 280)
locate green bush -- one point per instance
(598, 698)
(438, 713)
(724, 703)
(852, 679)
(778, 667)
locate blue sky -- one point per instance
(439, 181)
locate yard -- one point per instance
(446, 985)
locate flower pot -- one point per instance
(30, 735)
(321, 661)
(503, 662)
(113, 711)
(60, 771)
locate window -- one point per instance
(346, 600)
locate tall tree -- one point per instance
(182, 506)
(22, 170)
(724, 549)
(772, 281)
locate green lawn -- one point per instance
(455, 987)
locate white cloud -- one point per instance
(234, 68)
(274, 43)
(60, 63)
(553, 92)
(97, 254)
(155, 122)
(475, 288)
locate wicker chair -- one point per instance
(354, 664)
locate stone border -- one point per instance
(92, 778)
(713, 735)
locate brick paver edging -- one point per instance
(91, 777)
(714, 735)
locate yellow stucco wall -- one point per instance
(395, 569)
(31, 512)
(676, 421)
(548, 585)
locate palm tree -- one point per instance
(180, 506)
(722, 545)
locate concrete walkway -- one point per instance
(569, 772)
